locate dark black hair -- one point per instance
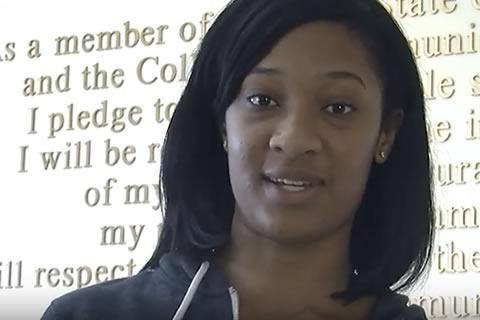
(393, 229)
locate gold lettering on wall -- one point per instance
(475, 83)
(127, 37)
(437, 85)
(453, 43)
(440, 131)
(451, 258)
(460, 173)
(419, 8)
(476, 4)
(442, 307)
(458, 217)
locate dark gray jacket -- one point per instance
(181, 289)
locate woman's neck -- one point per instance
(323, 264)
(287, 278)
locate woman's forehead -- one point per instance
(320, 51)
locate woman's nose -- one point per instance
(296, 135)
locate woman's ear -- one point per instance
(390, 129)
(223, 135)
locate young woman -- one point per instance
(295, 173)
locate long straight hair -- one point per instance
(393, 229)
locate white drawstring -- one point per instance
(192, 289)
(234, 300)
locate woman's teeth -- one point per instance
(292, 185)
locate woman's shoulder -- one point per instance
(126, 298)
(392, 305)
(151, 294)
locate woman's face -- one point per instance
(302, 135)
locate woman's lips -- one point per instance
(292, 189)
(293, 176)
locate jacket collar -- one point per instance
(180, 270)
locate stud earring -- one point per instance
(225, 145)
(383, 155)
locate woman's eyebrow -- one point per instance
(267, 71)
(335, 74)
(343, 75)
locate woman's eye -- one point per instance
(262, 101)
(339, 108)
